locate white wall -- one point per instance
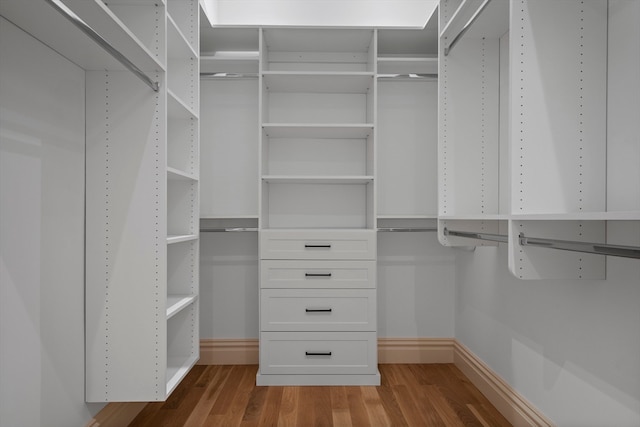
(41, 236)
(572, 348)
(229, 285)
(416, 286)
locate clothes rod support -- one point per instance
(75, 20)
(407, 229)
(478, 236)
(586, 247)
(456, 39)
(227, 230)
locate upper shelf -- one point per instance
(329, 131)
(318, 82)
(317, 40)
(45, 23)
(476, 19)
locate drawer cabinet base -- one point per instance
(317, 380)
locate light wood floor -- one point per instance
(410, 395)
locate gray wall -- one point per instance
(41, 236)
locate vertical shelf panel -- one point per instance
(125, 239)
(468, 153)
(558, 133)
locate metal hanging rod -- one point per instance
(227, 230)
(586, 247)
(412, 77)
(407, 229)
(223, 75)
(466, 27)
(75, 20)
(501, 238)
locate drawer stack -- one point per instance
(318, 308)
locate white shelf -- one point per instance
(230, 217)
(310, 130)
(177, 303)
(45, 23)
(178, 44)
(181, 238)
(407, 65)
(178, 109)
(407, 216)
(290, 179)
(318, 40)
(493, 22)
(175, 174)
(177, 369)
(581, 216)
(318, 82)
(474, 217)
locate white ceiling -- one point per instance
(320, 13)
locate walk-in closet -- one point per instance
(318, 212)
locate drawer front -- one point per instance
(318, 353)
(318, 244)
(317, 274)
(318, 309)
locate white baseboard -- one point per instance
(511, 404)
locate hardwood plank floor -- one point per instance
(409, 395)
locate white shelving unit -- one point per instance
(230, 142)
(141, 189)
(406, 138)
(527, 145)
(317, 203)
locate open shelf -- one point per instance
(318, 82)
(318, 179)
(171, 239)
(45, 23)
(177, 303)
(312, 130)
(175, 174)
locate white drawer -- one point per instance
(318, 309)
(317, 274)
(318, 244)
(318, 353)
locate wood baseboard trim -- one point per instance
(390, 350)
(415, 350)
(511, 404)
(117, 414)
(229, 352)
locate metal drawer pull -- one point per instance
(317, 353)
(318, 310)
(317, 274)
(307, 246)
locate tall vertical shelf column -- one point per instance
(317, 207)
(142, 206)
